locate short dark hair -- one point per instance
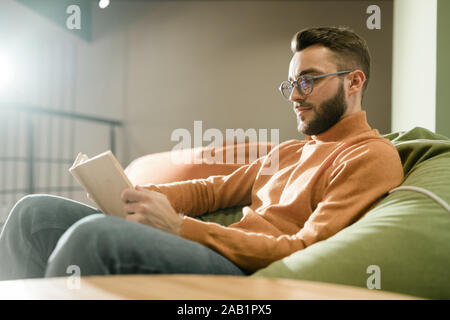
(350, 50)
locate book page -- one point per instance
(104, 179)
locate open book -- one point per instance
(104, 179)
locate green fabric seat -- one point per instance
(407, 235)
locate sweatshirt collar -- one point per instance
(350, 125)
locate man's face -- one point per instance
(325, 106)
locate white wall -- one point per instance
(54, 69)
(414, 65)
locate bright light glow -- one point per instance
(6, 70)
(103, 4)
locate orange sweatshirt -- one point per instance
(322, 185)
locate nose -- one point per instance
(296, 95)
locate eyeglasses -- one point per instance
(304, 84)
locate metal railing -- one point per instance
(24, 161)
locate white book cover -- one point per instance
(103, 178)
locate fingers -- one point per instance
(130, 195)
(134, 207)
(137, 217)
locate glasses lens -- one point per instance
(286, 89)
(306, 84)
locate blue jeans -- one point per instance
(47, 235)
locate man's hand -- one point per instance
(151, 208)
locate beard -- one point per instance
(326, 115)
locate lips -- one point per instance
(301, 111)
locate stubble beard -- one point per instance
(327, 115)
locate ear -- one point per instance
(356, 82)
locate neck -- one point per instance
(352, 108)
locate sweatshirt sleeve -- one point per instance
(198, 196)
(356, 180)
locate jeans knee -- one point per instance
(26, 210)
(84, 232)
(89, 234)
(40, 211)
(82, 245)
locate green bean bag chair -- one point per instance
(402, 245)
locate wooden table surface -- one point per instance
(180, 287)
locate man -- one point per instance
(322, 185)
